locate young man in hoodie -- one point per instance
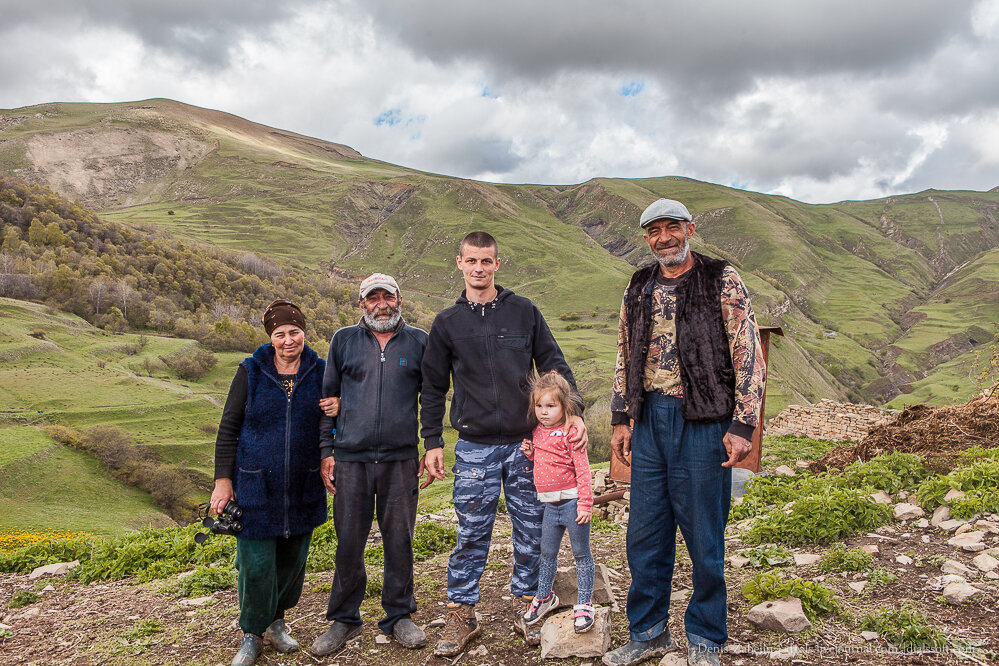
(487, 344)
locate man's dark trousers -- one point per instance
(677, 480)
(362, 488)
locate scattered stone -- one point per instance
(905, 511)
(881, 497)
(31, 612)
(48, 588)
(784, 470)
(992, 575)
(954, 494)
(962, 529)
(784, 654)
(565, 586)
(922, 523)
(198, 601)
(857, 587)
(955, 567)
(989, 526)
(869, 635)
(676, 659)
(779, 615)
(5, 627)
(805, 559)
(559, 640)
(951, 525)
(382, 639)
(940, 582)
(940, 514)
(903, 559)
(871, 549)
(738, 561)
(802, 464)
(959, 593)
(439, 622)
(985, 562)
(970, 542)
(60, 569)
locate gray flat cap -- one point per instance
(664, 209)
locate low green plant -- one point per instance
(838, 559)
(816, 599)
(788, 449)
(830, 515)
(374, 556)
(207, 579)
(45, 551)
(879, 576)
(904, 628)
(23, 598)
(323, 587)
(598, 524)
(979, 481)
(373, 588)
(768, 555)
(143, 629)
(322, 548)
(430, 539)
(891, 473)
(766, 493)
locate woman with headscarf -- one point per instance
(267, 461)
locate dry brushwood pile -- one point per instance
(937, 434)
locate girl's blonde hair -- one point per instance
(552, 382)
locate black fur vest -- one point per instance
(706, 371)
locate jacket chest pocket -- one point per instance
(514, 341)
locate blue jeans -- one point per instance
(479, 471)
(677, 479)
(560, 517)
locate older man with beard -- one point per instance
(689, 378)
(371, 387)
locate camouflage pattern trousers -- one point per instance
(479, 471)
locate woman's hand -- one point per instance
(528, 448)
(583, 517)
(221, 495)
(330, 406)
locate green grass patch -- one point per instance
(838, 559)
(23, 598)
(207, 579)
(788, 449)
(906, 629)
(831, 515)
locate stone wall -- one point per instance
(826, 419)
(615, 510)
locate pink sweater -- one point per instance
(558, 466)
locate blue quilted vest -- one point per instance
(277, 480)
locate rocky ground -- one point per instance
(128, 623)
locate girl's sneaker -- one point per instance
(582, 618)
(539, 608)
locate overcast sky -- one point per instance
(819, 100)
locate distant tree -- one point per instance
(98, 290)
(36, 232)
(124, 292)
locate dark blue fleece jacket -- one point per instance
(277, 481)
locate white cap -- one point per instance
(664, 209)
(378, 281)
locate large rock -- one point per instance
(780, 615)
(880, 497)
(940, 514)
(806, 559)
(951, 524)
(985, 562)
(906, 511)
(954, 494)
(565, 586)
(970, 542)
(955, 567)
(60, 569)
(959, 593)
(559, 640)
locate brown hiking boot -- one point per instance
(460, 627)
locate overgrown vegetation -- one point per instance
(838, 559)
(23, 598)
(207, 579)
(768, 555)
(816, 599)
(904, 628)
(977, 476)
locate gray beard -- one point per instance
(677, 258)
(383, 325)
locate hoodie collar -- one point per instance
(501, 295)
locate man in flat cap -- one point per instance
(371, 386)
(689, 380)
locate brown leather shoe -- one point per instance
(460, 627)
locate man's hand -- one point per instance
(621, 443)
(330, 406)
(433, 462)
(580, 439)
(527, 448)
(326, 472)
(737, 447)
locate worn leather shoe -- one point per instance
(460, 627)
(277, 634)
(249, 650)
(408, 635)
(701, 656)
(531, 633)
(335, 638)
(635, 652)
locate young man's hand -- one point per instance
(580, 439)
(621, 443)
(527, 447)
(583, 517)
(433, 463)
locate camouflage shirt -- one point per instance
(662, 369)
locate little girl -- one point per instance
(562, 477)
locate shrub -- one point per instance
(207, 579)
(431, 538)
(322, 548)
(905, 628)
(840, 559)
(38, 333)
(979, 480)
(828, 516)
(891, 473)
(45, 551)
(816, 599)
(191, 362)
(23, 598)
